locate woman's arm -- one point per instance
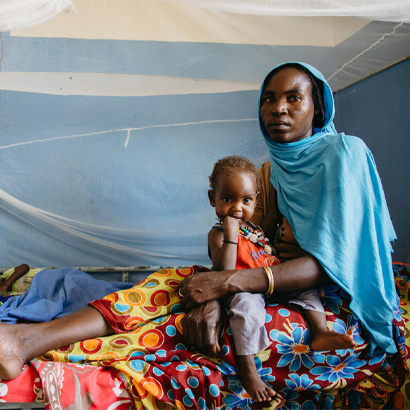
(296, 274)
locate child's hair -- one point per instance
(229, 165)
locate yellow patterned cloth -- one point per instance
(144, 312)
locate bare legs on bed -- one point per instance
(20, 343)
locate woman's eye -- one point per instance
(294, 98)
(267, 99)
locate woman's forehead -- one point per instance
(289, 78)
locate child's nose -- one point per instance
(237, 206)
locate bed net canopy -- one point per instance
(112, 113)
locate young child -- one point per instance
(236, 243)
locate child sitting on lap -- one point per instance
(236, 243)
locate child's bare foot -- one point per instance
(251, 381)
(329, 340)
(12, 357)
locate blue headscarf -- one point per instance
(330, 192)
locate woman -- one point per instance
(327, 189)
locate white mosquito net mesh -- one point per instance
(112, 113)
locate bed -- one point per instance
(152, 368)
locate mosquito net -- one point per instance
(112, 113)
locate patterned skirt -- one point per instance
(160, 371)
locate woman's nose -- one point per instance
(279, 107)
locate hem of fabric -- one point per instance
(96, 304)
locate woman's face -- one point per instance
(287, 107)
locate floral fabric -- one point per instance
(401, 399)
(160, 370)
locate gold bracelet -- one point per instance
(271, 280)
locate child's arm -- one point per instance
(223, 245)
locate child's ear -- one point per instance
(211, 197)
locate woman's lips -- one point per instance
(278, 124)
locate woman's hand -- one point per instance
(203, 287)
(206, 286)
(202, 327)
(291, 276)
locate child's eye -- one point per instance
(226, 199)
(247, 200)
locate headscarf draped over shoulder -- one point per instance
(330, 192)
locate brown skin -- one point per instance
(324, 338)
(21, 343)
(294, 275)
(19, 272)
(234, 199)
(287, 107)
(202, 327)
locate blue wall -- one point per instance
(377, 109)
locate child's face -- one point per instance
(235, 195)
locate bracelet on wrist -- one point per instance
(271, 281)
(234, 243)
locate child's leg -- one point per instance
(247, 321)
(324, 338)
(251, 381)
